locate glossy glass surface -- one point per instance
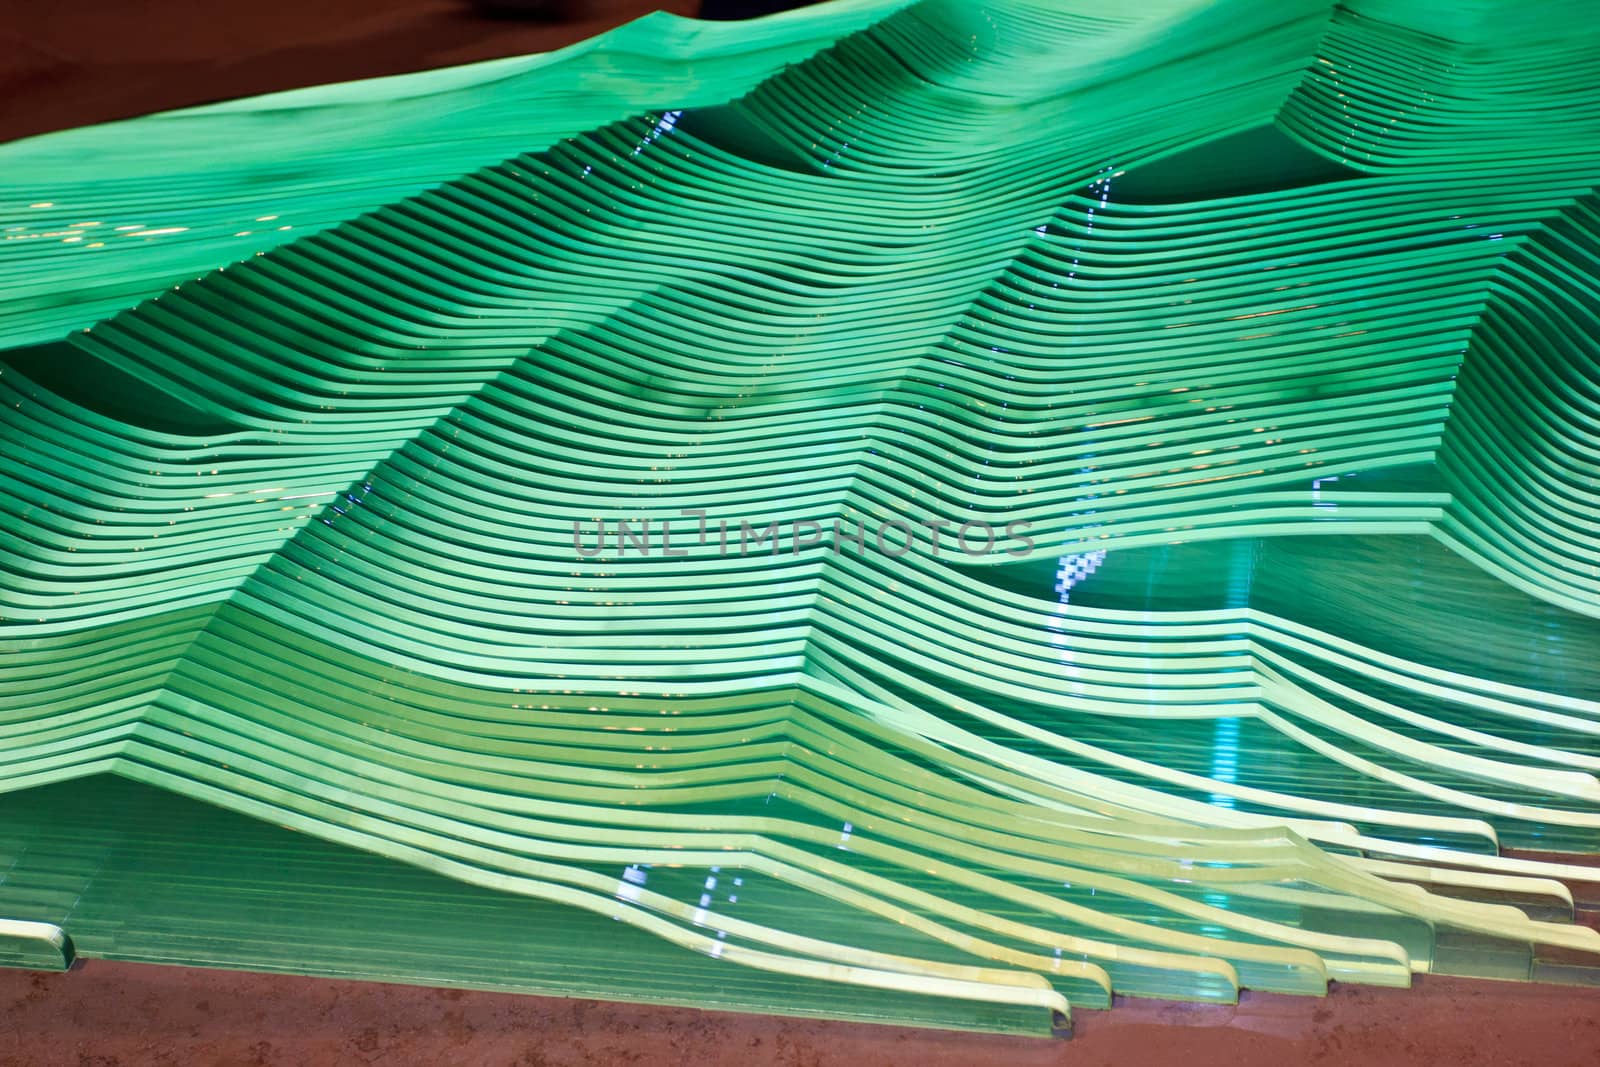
(1271, 327)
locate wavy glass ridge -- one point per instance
(1272, 326)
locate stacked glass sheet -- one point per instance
(919, 511)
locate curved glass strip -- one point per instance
(967, 512)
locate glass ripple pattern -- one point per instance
(1276, 321)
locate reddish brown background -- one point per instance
(120, 1014)
(69, 62)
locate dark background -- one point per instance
(73, 62)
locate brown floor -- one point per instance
(64, 64)
(119, 1015)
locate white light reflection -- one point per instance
(1070, 570)
(666, 125)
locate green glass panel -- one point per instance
(915, 511)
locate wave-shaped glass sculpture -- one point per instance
(920, 511)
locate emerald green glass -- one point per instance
(381, 463)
